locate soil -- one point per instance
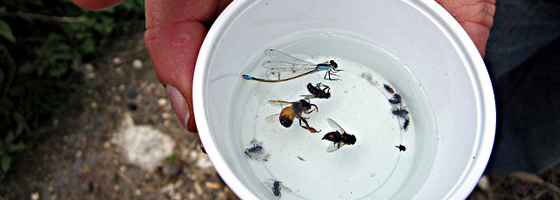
(80, 161)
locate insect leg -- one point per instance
(311, 129)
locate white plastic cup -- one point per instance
(420, 33)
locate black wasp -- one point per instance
(338, 137)
(319, 91)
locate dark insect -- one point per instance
(256, 152)
(300, 158)
(400, 112)
(401, 147)
(255, 149)
(276, 188)
(389, 88)
(319, 91)
(288, 114)
(338, 137)
(396, 99)
(406, 123)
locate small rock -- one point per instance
(35, 196)
(143, 145)
(170, 170)
(162, 102)
(137, 192)
(117, 61)
(106, 144)
(212, 185)
(191, 195)
(165, 115)
(193, 155)
(79, 154)
(50, 189)
(177, 196)
(203, 162)
(94, 105)
(137, 64)
(198, 188)
(86, 169)
(116, 187)
(178, 184)
(484, 183)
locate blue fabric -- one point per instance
(523, 59)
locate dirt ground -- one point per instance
(82, 161)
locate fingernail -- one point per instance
(179, 104)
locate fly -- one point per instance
(389, 88)
(256, 151)
(320, 91)
(401, 112)
(276, 188)
(401, 147)
(339, 137)
(295, 110)
(406, 123)
(397, 99)
(286, 67)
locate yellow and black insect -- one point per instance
(295, 110)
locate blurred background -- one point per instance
(82, 115)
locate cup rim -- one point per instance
(486, 119)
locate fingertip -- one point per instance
(96, 5)
(191, 124)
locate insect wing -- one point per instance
(334, 146)
(283, 70)
(335, 125)
(272, 118)
(279, 102)
(281, 56)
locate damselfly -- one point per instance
(283, 67)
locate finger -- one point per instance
(174, 33)
(95, 5)
(475, 16)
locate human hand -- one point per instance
(175, 30)
(475, 16)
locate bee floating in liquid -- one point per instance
(285, 67)
(338, 137)
(295, 110)
(256, 151)
(320, 91)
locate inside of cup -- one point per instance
(449, 140)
